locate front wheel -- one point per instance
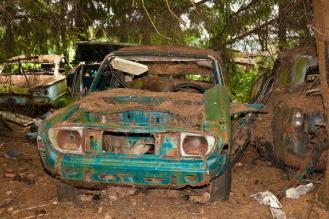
(220, 187)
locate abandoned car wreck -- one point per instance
(295, 133)
(155, 117)
(36, 80)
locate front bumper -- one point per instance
(97, 168)
(90, 170)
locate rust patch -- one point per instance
(195, 145)
(69, 139)
(106, 176)
(31, 81)
(172, 152)
(299, 161)
(153, 180)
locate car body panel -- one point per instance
(296, 117)
(293, 68)
(165, 164)
(300, 67)
(94, 165)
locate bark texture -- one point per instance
(321, 29)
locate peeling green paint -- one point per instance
(301, 64)
(284, 76)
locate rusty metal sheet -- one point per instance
(17, 118)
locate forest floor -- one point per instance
(27, 191)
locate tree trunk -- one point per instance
(282, 25)
(321, 28)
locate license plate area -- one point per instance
(128, 143)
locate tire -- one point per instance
(197, 87)
(220, 187)
(66, 193)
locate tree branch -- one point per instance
(156, 29)
(173, 14)
(254, 30)
(265, 24)
(244, 8)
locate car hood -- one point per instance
(129, 110)
(180, 109)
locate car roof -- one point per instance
(169, 50)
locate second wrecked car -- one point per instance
(34, 80)
(89, 55)
(165, 122)
(293, 131)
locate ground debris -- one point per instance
(296, 192)
(269, 199)
(6, 202)
(9, 173)
(28, 179)
(132, 202)
(17, 118)
(115, 193)
(12, 153)
(203, 198)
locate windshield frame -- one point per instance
(216, 69)
(26, 70)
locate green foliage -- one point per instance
(14, 68)
(40, 26)
(243, 78)
(194, 77)
(43, 26)
(62, 102)
(241, 84)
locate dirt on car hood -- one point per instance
(187, 107)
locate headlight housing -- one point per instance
(67, 140)
(196, 144)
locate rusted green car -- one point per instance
(295, 122)
(155, 117)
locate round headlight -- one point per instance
(195, 145)
(69, 139)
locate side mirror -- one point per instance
(127, 66)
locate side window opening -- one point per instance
(312, 73)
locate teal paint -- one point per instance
(168, 144)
